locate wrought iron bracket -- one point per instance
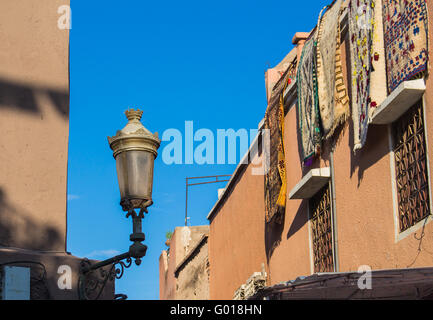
(94, 277)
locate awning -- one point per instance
(396, 284)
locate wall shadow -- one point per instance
(19, 230)
(300, 219)
(273, 235)
(375, 148)
(22, 97)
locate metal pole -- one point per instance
(187, 184)
(106, 262)
(186, 203)
(334, 214)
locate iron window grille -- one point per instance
(322, 230)
(411, 167)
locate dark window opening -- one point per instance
(322, 231)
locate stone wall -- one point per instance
(182, 268)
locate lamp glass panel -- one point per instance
(135, 174)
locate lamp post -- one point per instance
(135, 149)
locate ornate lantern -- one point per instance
(135, 149)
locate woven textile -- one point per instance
(405, 33)
(367, 64)
(308, 102)
(361, 24)
(333, 98)
(275, 178)
(281, 202)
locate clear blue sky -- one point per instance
(202, 61)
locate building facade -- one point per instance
(34, 122)
(364, 197)
(184, 267)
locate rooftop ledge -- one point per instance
(399, 101)
(311, 183)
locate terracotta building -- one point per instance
(184, 267)
(337, 198)
(34, 122)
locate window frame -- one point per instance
(400, 235)
(311, 232)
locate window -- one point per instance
(411, 167)
(322, 230)
(15, 283)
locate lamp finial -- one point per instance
(132, 114)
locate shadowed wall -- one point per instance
(34, 122)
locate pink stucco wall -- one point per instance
(365, 215)
(236, 238)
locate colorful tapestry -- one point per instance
(406, 34)
(308, 101)
(281, 202)
(361, 24)
(378, 87)
(367, 58)
(333, 98)
(275, 178)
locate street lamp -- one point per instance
(135, 149)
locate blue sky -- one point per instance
(178, 61)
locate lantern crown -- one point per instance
(132, 114)
(134, 136)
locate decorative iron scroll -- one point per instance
(321, 227)
(92, 283)
(411, 167)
